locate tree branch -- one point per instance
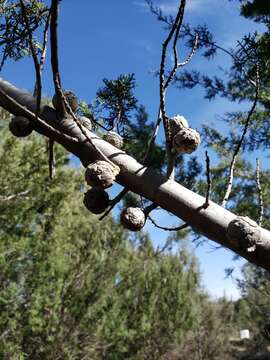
(259, 187)
(209, 182)
(35, 58)
(163, 85)
(212, 222)
(177, 228)
(54, 57)
(44, 49)
(240, 142)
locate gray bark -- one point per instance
(212, 222)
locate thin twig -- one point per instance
(192, 52)
(51, 159)
(168, 81)
(34, 56)
(175, 52)
(14, 196)
(37, 91)
(38, 83)
(240, 142)
(54, 57)
(156, 10)
(171, 166)
(64, 107)
(209, 181)
(152, 207)
(153, 137)
(181, 227)
(4, 57)
(176, 27)
(113, 202)
(163, 85)
(149, 208)
(100, 125)
(44, 49)
(226, 51)
(45, 41)
(177, 65)
(259, 187)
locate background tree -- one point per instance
(72, 287)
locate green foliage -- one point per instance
(117, 100)
(213, 333)
(13, 32)
(255, 9)
(155, 308)
(252, 311)
(74, 288)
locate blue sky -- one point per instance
(102, 39)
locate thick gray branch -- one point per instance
(212, 221)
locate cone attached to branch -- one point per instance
(20, 126)
(133, 218)
(177, 123)
(71, 99)
(114, 138)
(101, 174)
(96, 200)
(186, 141)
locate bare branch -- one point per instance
(34, 56)
(259, 187)
(54, 57)
(178, 228)
(51, 159)
(162, 85)
(177, 65)
(175, 28)
(209, 182)
(176, 35)
(171, 166)
(149, 208)
(192, 52)
(177, 24)
(241, 140)
(38, 69)
(153, 137)
(64, 106)
(114, 202)
(44, 49)
(14, 196)
(45, 41)
(4, 57)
